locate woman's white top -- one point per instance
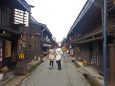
(58, 54)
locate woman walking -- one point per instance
(51, 57)
(58, 57)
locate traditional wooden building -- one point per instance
(54, 42)
(46, 39)
(40, 39)
(13, 22)
(35, 38)
(88, 28)
(71, 44)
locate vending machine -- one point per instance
(1, 53)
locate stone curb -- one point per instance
(92, 77)
(8, 81)
(29, 74)
(23, 78)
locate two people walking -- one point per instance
(55, 54)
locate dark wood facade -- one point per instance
(11, 30)
(35, 38)
(21, 37)
(40, 39)
(89, 36)
(46, 40)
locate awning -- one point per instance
(90, 40)
(3, 28)
(47, 45)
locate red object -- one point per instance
(5, 71)
(84, 63)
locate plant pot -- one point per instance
(5, 71)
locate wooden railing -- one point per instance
(110, 4)
(20, 17)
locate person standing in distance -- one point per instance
(64, 50)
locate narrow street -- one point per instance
(43, 76)
(31, 30)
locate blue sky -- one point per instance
(58, 15)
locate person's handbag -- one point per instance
(60, 53)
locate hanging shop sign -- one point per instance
(70, 38)
(78, 49)
(24, 37)
(13, 59)
(36, 34)
(63, 49)
(7, 48)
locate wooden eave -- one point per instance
(24, 4)
(35, 34)
(88, 5)
(18, 4)
(90, 40)
(43, 26)
(8, 29)
(45, 42)
(48, 31)
(71, 42)
(95, 36)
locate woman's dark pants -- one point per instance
(59, 64)
(51, 63)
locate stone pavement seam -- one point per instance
(75, 72)
(31, 74)
(16, 77)
(42, 76)
(84, 79)
(16, 80)
(81, 76)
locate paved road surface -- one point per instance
(43, 76)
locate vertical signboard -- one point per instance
(1, 53)
(7, 48)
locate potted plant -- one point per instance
(84, 62)
(4, 69)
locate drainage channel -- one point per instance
(90, 79)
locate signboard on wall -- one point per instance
(7, 48)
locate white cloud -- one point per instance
(58, 15)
